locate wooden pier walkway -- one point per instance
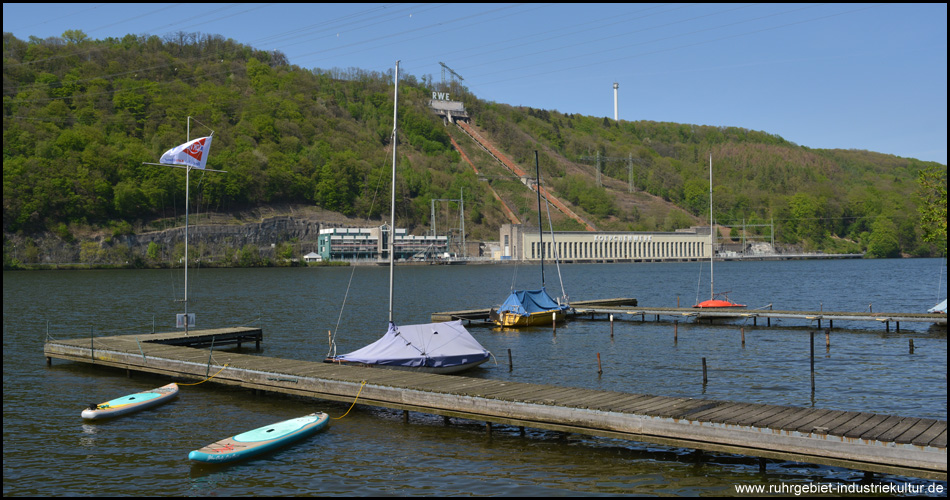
(908, 446)
(627, 309)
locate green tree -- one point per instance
(153, 251)
(932, 193)
(883, 241)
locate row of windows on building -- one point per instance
(619, 250)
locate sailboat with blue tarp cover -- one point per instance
(531, 307)
(430, 347)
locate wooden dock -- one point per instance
(908, 446)
(627, 309)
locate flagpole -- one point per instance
(187, 186)
(187, 168)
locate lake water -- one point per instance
(48, 450)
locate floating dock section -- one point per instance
(627, 309)
(908, 446)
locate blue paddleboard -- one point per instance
(260, 440)
(131, 403)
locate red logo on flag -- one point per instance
(196, 148)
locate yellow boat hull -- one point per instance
(511, 320)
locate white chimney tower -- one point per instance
(616, 116)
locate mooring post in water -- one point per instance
(611, 326)
(812, 335)
(742, 329)
(140, 350)
(704, 372)
(405, 416)
(676, 325)
(509, 360)
(210, 352)
(827, 339)
(554, 323)
(769, 319)
(911, 346)
(600, 371)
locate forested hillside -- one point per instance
(80, 116)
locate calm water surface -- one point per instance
(49, 450)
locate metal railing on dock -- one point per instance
(889, 444)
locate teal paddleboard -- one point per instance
(261, 440)
(131, 403)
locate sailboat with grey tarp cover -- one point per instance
(429, 347)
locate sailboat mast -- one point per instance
(712, 250)
(537, 170)
(392, 210)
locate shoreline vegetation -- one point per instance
(316, 144)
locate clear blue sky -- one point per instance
(850, 76)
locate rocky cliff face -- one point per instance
(265, 235)
(214, 242)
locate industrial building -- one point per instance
(519, 242)
(371, 243)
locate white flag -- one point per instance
(193, 153)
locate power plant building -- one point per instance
(372, 243)
(519, 242)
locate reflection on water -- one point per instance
(49, 450)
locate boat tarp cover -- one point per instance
(525, 302)
(431, 344)
(939, 308)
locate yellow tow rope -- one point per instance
(209, 378)
(354, 401)
(334, 418)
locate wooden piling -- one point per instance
(812, 335)
(911, 346)
(704, 372)
(611, 326)
(600, 371)
(510, 366)
(742, 329)
(676, 325)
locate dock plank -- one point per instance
(753, 415)
(887, 424)
(791, 414)
(925, 438)
(917, 429)
(891, 434)
(940, 441)
(869, 424)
